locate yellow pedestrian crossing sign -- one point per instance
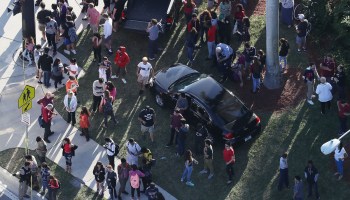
(27, 107)
(27, 95)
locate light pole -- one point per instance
(331, 145)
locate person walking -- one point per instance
(147, 117)
(283, 180)
(107, 33)
(41, 17)
(98, 88)
(54, 185)
(298, 193)
(41, 149)
(44, 63)
(96, 47)
(189, 161)
(99, 173)
(153, 33)
(339, 156)
(45, 176)
(111, 148)
(70, 104)
(310, 74)
(343, 112)
(311, 175)
(230, 159)
(24, 180)
(144, 73)
(201, 134)
(107, 108)
(301, 33)
(175, 124)
(111, 180)
(121, 60)
(68, 151)
(283, 53)
(208, 159)
(94, 17)
(47, 115)
(84, 123)
(51, 31)
(134, 175)
(133, 151)
(181, 137)
(324, 91)
(57, 72)
(123, 175)
(69, 34)
(287, 12)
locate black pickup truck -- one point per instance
(138, 13)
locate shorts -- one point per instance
(145, 129)
(107, 4)
(67, 41)
(108, 39)
(142, 79)
(42, 27)
(300, 40)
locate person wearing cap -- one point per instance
(175, 124)
(224, 57)
(301, 33)
(153, 34)
(147, 118)
(70, 103)
(152, 191)
(298, 193)
(121, 59)
(47, 113)
(144, 70)
(44, 63)
(287, 12)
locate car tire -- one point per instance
(159, 100)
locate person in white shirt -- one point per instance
(284, 180)
(73, 68)
(107, 32)
(339, 156)
(110, 149)
(144, 70)
(70, 103)
(98, 88)
(324, 91)
(133, 150)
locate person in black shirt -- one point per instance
(147, 118)
(99, 173)
(45, 63)
(340, 79)
(283, 53)
(41, 17)
(201, 134)
(24, 180)
(311, 175)
(152, 191)
(117, 13)
(301, 33)
(111, 179)
(309, 77)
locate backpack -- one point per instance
(135, 181)
(107, 107)
(116, 149)
(72, 33)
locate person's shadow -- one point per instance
(4, 18)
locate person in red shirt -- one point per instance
(68, 152)
(54, 185)
(47, 114)
(121, 60)
(188, 7)
(239, 15)
(84, 122)
(175, 124)
(229, 158)
(343, 112)
(211, 39)
(328, 67)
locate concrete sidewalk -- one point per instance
(11, 85)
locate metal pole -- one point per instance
(344, 134)
(272, 78)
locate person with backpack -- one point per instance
(57, 72)
(99, 173)
(133, 151)
(111, 180)
(70, 104)
(189, 161)
(45, 175)
(134, 175)
(106, 107)
(70, 35)
(54, 186)
(84, 122)
(112, 150)
(123, 175)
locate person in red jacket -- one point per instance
(121, 60)
(84, 122)
(230, 159)
(47, 114)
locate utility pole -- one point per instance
(28, 19)
(273, 72)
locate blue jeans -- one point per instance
(152, 48)
(190, 51)
(211, 46)
(283, 179)
(187, 173)
(339, 164)
(47, 78)
(256, 83)
(284, 59)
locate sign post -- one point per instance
(25, 102)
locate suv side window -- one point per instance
(199, 111)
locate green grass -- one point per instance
(300, 130)
(71, 188)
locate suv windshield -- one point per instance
(184, 81)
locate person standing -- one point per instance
(339, 156)
(340, 79)
(324, 91)
(175, 124)
(224, 57)
(41, 17)
(112, 90)
(249, 53)
(98, 88)
(191, 40)
(33, 171)
(96, 46)
(54, 185)
(153, 33)
(205, 23)
(24, 180)
(283, 180)
(45, 175)
(99, 173)
(69, 34)
(107, 108)
(94, 17)
(68, 151)
(208, 159)
(189, 161)
(133, 151)
(211, 39)
(287, 12)
(230, 159)
(328, 67)
(182, 103)
(298, 189)
(84, 122)
(47, 114)
(311, 175)
(123, 175)
(310, 74)
(107, 32)
(70, 104)
(147, 118)
(256, 69)
(201, 134)
(283, 53)
(57, 72)
(121, 59)
(117, 13)
(110, 147)
(152, 192)
(135, 175)
(72, 85)
(144, 71)
(301, 33)
(111, 180)
(181, 137)
(51, 31)
(105, 69)
(37, 53)
(343, 112)
(73, 68)
(41, 149)
(44, 63)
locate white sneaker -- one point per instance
(74, 52)
(66, 52)
(124, 81)
(310, 102)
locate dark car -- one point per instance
(209, 102)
